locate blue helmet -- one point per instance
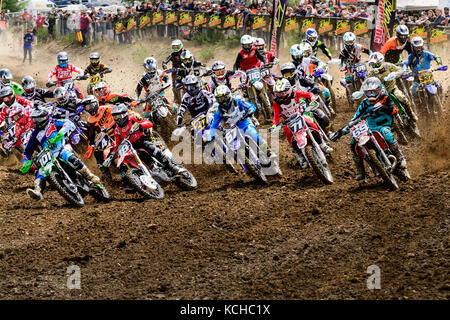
(63, 59)
(311, 36)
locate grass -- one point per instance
(140, 53)
(207, 54)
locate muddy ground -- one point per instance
(233, 239)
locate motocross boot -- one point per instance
(175, 168)
(326, 148)
(85, 172)
(360, 171)
(398, 154)
(38, 192)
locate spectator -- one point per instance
(309, 11)
(85, 20)
(27, 44)
(447, 13)
(51, 21)
(440, 19)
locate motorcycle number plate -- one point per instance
(95, 79)
(45, 158)
(123, 149)
(296, 125)
(103, 143)
(361, 68)
(254, 75)
(265, 73)
(230, 136)
(426, 78)
(199, 123)
(359, 130)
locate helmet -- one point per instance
(17, 112)
(218, 68)
(288, 70)
(311, 36)
(402, 32)
(28, 84)
(305, 49)
(417, 43)
(187, 58)
(95, 59)
(150, 65)
(191, 85)
(91, 104)
(295, 53)
(61, 95)
(63, 59)
(5, 76)
(247, 43)
(373, 89)
(177, 45)
(376, 60)
(101, 89)
(7, 95)
(120, 114)
(223, 98)
(283, 89)
(259, 44)
(349, 40)
(40, 117)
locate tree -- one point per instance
(13, 5)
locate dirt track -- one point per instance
(232, 239)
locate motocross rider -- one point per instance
(381, 69)
(22, 124)
(51, 133)
(189, 65)
(152, 80)
(313, 39)
(350, 55)
(95, 67)
(37, 95)
(393, 48)
(103, 93)
(382, 109)
(221, 76)
(287, 103)
(420, 60)
(175, 58)
(9, 101)
(63, 71)
(195, 100)
(65, 104)
(296, 55)
(6, 80)
(139, 139)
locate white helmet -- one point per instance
(247, 42)
(376, 60)
(417, 43)
(295, 53)
(177, 45)
(305, 49)
(349, 40)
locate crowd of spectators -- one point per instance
(428, 18)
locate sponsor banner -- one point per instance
(360, 28)
(276, 23)
(259, 23)
(342, 26)
(215, 21)
(239, 22)
(145, 20)
(200, 19)
(307, 23)
(229, 21)
(171, 18)
(384, 23)
(119, 26)
(421, 31)
(438, 35)
(131, 23)
(325, 26)
(291, 24)
(158, 18)
(185, 19)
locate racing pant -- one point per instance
(176, 89)
(404, 101)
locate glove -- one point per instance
(108, 160)
(334, 136)
(178, 131)
(439, 60)
(53, 141)
(272, 128)
(89, 152)
(49, 84)
(26, 166)
(164, 66)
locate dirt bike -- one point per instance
(144, 177)
(195, 71)
(10, 141)
(304, 143)
(69, 183)
(323, 78)
(69, 84)
(93, 80)
(359, 75)
(160, 113)
(372, 147)
(308, 110)
(258, 93)
(429, 92)
(268, 79)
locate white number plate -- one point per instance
(359, 130)
(45, 158)
(254, 75)
(264, 73)
(231, 135)
(123, 149)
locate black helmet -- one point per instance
(95, 59)
(61, 95)
(40, 117)
(5, 76)
(120, 114)
(191, 85)
(91, 104)
(28, 84)
(7, 95)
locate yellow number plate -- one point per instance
(426, 78)
(94, 79)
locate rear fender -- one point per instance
(431, 88)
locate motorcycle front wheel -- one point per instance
(133, 177)
(58, 181)
(387, 177)
(322, 171)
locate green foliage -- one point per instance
(13, 5)
(70, 40)
(207, 54)
(140, 53)
(208, 36)
(42, 35)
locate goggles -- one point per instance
(219, 73)
(118, 117)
